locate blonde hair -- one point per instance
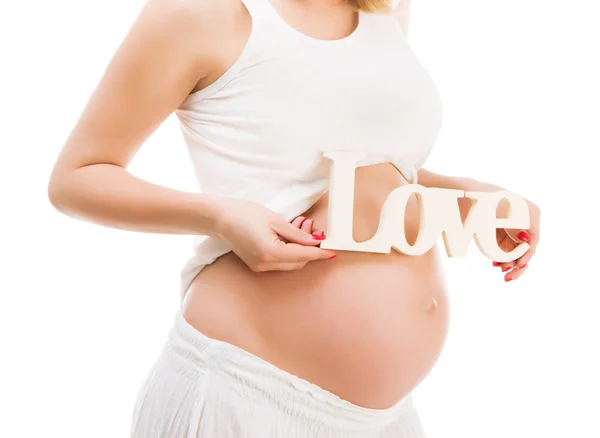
(374, 5)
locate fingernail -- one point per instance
(509, 279)
(496, 263)
(523, 266)
(332, 257)
(317, 236)
(524, 236)
(506, 269)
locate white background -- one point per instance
(84, 309)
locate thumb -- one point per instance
(519, 236)
(293, 252)
(294, 234)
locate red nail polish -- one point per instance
(509, 279)
(496, 263)
(523, 266)
(524, 236)
(506, 269)
(332, 257)
(317, 236)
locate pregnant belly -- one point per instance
(366, 327)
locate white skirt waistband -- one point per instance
(260, 380)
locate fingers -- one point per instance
(294, 244)
(286, 266)
(282, 256)
(514, 269)
(519, 236)
(295, 231)
(299, 221)
(293, 252)
(511, 270)
(507, 268)
(523, 261)
(307, 225)
(516, 273)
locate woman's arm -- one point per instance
(161, 59)
(429, 179)
(507, 238)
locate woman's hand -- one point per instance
(308, 226)
(265, 240)
(508, 239)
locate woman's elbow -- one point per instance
(56, 190)
(60, 186)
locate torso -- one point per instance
(367, 327)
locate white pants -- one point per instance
(204, 388)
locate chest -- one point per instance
(288, 104)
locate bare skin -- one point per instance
(367, 327)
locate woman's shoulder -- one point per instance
(201, 30)
(203, 15)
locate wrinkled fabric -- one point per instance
(200, 387)
(260, 131)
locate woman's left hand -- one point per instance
(508, 239)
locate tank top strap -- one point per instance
(258, 9)
(266, 25)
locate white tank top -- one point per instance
(259, 132)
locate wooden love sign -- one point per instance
(439, 214)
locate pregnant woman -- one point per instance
(275, 336)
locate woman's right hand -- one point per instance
(265, 240)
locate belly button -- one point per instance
(428, 305)
(433, 305)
